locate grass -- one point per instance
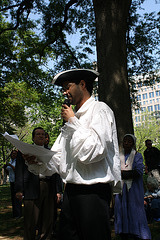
(13, 229)
(9, 227)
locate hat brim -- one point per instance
(75, 75)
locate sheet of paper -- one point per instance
(42, 154)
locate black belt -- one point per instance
(44, 179)
(103, 189)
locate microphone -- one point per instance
(67, 102)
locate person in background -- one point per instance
(86, 156)
(152, 160)
(47, 140)
(152, 199)
(130, 216)
(57, 185)
(10, 167)
(38, 194)
(4, 174)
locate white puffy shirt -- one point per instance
(86, 151)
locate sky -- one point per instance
(151, 6)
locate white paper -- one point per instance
(42, 154)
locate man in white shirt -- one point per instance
(87, 158)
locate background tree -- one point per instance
(111, 29)
(149, 129)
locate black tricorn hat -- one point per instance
(75, 75)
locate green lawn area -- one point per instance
(13, 229)
(9, 227)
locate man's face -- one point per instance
(46, 139)
(73, 92)
(128, 143)
(148, 144)
(39, 137)
(14, 154)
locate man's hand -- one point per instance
(145, 203)
(149, 196)
(146, 170)
(58, 198)
(19, 195)
(30, 159)
(66, 112)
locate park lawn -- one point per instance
(9, 228)
(13, 229)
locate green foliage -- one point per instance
(48, 116)
(143, 45)
(14, 98)
(148, 130)
(24, 109)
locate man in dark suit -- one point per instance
(38, 193)
(152, 160)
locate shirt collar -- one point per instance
(85, 107)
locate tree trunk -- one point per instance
(111, 27)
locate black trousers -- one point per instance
(39, 213)
(16, 203)
(85, 212)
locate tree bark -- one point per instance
(111, 27)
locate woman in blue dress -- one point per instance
(130, 216)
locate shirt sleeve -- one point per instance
(9, 167)
(92, 144)
(158, 193)
(138, 164)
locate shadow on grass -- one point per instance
(10, 228)
(13, 229)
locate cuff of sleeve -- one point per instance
(37, 168)
(70, 127)
(73, 123)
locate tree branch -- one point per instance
(68, 5)
(9, 7)
(24, 5)
(61, 26)
(72, 54)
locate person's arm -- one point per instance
(149, 196)
(19, 195)
(146, 167)
(12, 166)
(87, 145)
(59, 183)
(137, 168)
(92, 144)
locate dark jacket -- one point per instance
(25, 181)
(152, 158)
